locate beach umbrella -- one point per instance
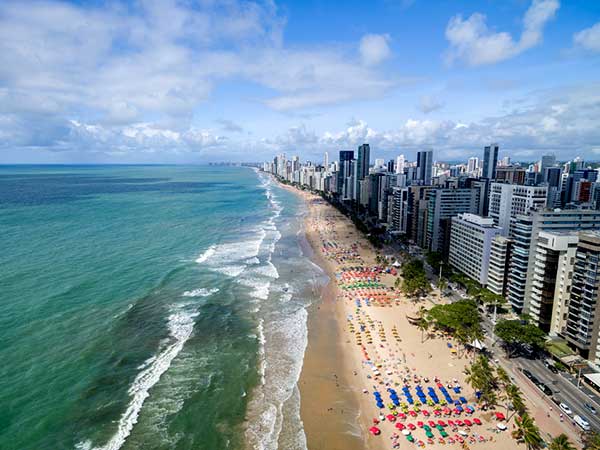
(375, 431)
(477, 421)
(468, 423)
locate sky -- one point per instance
(194, 81)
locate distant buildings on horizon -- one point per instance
(530, 234)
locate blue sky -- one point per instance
(196, 81)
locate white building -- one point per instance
(400, 162)
(553, 251)
(498, 268)
(506, 201)
(470, 244)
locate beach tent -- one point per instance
(477, 344)
(396, 264)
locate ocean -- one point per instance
(151, 307)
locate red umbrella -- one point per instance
(412, 413)
(402, 416)
(431, 423)
(459, 423)
(442, 423)
(391, 417)
(425, 413)
(437, 412)
(477, 421)
(468, 423)
(500, 416)
(420, 424)
(375, 421)
(451, 423)
(400, 426)
(411, 426)
(375, 431)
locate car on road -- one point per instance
(527, 373)
(590, 408)
(550, 366)
(545, 389)
(565, 408)
(582, 422)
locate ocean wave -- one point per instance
(281, 355)
(260, 287)
(207, 254)
(202, 292)
(181, 326)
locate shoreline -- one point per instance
(364, 336)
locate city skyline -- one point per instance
(194, 82)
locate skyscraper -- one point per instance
(424, 164)
(326, 160)
(400, 161)
(345, 171)
(472, 164)
(363, 161)
(490, 161)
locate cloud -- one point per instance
(230, 125)
(374, 48)
(429, 104)
(119, 64)
(474, 43)
(560, 120)
(588, 38)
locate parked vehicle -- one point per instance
(566, 409)
(582, 422)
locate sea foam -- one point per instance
(181, 326)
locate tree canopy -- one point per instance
(482, 377)
(415, 280)
(517, 333)
(461, 318)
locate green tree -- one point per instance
(482, 378)
(515, 398)
(528, 432)
(415, 282)
(515, 334)
(561, 442)
(460, 318)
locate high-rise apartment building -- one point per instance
(498, 267)
(470, 245)
(506, 201)
(442, 205)
(551, 252)
(424, 167)
(582, 320)
(400, 162)
(490, 161)
(526, 229)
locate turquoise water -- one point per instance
(155, 307)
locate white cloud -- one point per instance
(155, 61)
(589, 38)
(374, 48)
(473, 42)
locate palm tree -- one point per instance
(423, 325)
(561, 442)
(528, 432)
(514, 397)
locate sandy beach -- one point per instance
(361, 344)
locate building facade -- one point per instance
(471, 239)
